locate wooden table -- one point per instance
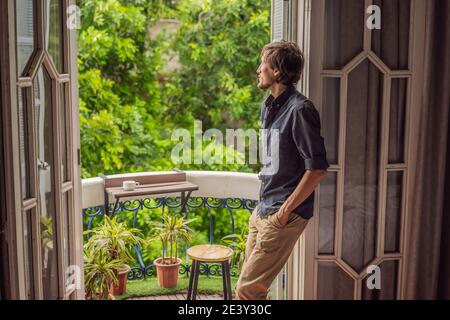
(151, 184)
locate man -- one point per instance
(295, 168)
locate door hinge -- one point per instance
(79, 156)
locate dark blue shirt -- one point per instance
(292, 145)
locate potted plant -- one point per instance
(170, 231)
(117, 240)
(238, 242)
(100, 271)
(46, 223)
(47, 231)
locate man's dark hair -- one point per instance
(286, 57)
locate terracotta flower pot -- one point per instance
(122, 286)
(111, 291)
(167, 273)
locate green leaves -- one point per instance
(238, 242)
(107, 252)
(138, 84)
(99, 272)
(218, 45)
(115, 238)
(170, 231)
(119, 91)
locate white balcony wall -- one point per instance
(211, 184)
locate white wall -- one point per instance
(211, 183)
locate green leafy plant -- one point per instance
(170, 231)
(218, 44)
(115, 238)
(238, 242)
(108, 253)
(99, 272)
(47, 231)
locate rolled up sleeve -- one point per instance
(306, 134)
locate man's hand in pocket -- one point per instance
(283, 216)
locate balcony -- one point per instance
(236, 193)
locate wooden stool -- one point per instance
(209, 253)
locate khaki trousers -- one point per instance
(268, 248)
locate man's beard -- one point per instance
(263, 86)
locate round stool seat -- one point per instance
(210, 253)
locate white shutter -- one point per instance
(277, 20)
(25, 18)
(25, 31)
(280, 17)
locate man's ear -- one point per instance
(276, 74)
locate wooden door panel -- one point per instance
(47, 111)
(360, 79)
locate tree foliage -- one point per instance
(137, 85)
(130, 101)
(218, 44)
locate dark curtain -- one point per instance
(428, 274)
(2, 203)
(3, 259)
(444, 265)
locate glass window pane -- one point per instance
(333, 283)
(54, 32)
(66, 213)
(23, 142)
(330, 117)
(327, 213)
(391, 42)
(393, 211)
(388, 283)
(25, 28)
(344, 31)
(45, 152)
(365, 96)
(65, 132)
(399, 88)
(28, 253)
